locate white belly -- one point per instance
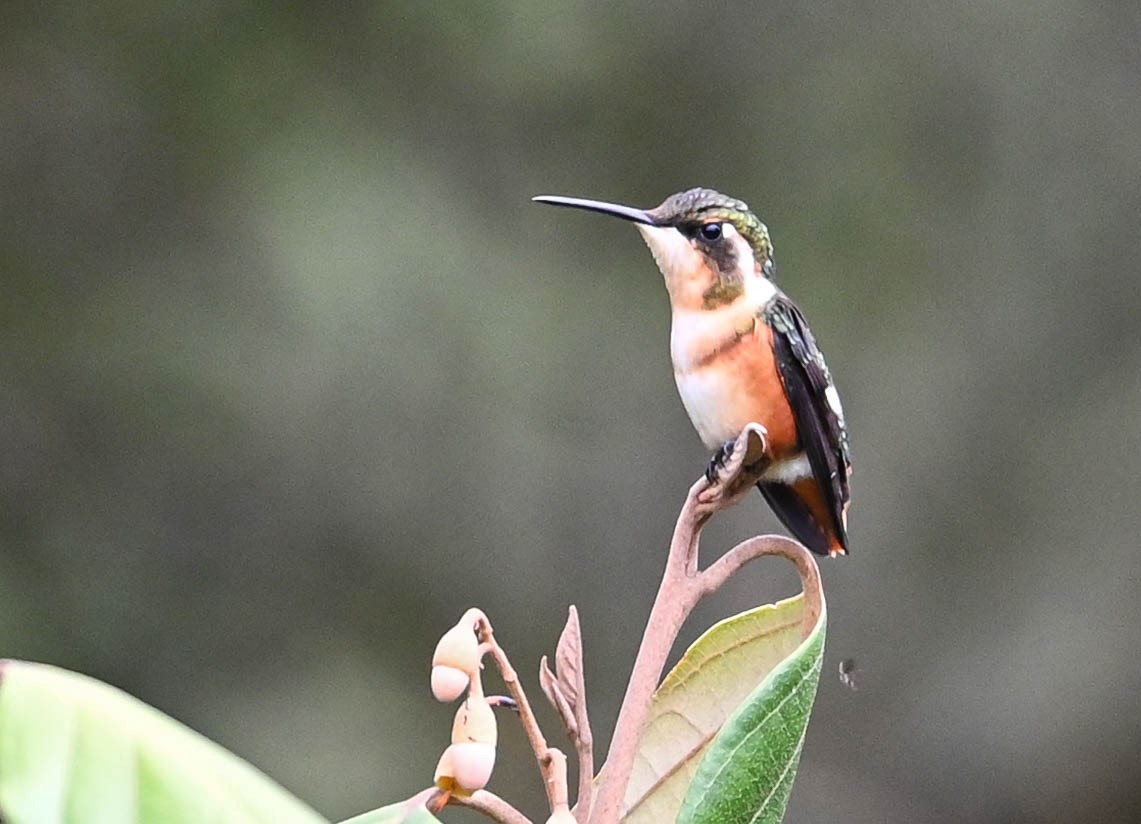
(708, 397)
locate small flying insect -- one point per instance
(848, 673)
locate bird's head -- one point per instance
(707, 245)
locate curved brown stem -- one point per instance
(731, 562)
(492, 806)
(675, 600)
(683, 586)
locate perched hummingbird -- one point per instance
(743, 353)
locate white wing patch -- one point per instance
(789, 471)
(833, 398)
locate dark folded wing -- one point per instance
(816, 405)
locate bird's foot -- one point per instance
(735, 468)
(717, 463)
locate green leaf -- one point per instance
(73, 749)
(747, 774)
(717, 674)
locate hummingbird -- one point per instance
(742, 353)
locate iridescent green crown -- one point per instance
(703, 205)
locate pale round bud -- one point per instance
(562, 815)
(448, 683)
(475, 722)
(465, 766)
(458, 648)
(445, 777)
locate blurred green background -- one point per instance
(292, 372)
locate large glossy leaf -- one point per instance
(717, 674)
(747, 774)
(73, 749)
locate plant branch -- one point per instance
(584, 749)
(544, 755)
(683, 586)
(492, 806)
(674, 602)
(557, 782)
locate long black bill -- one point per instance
(624, 212)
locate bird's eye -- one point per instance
(710, 231)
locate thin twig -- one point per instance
(492, 806)
(557, 782)
(526, 714)
(584, 750)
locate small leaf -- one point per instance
(747, 774)
(568, 660)
(554, 693)
(716, 674)
(73, 749)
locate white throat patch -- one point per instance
(671, 250)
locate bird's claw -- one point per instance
(719, 459)
(735, 467)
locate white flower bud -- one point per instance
(475, 721)
(448, 683)
(455, 661)
(465, 767)
(467, 763)
(561, 815)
